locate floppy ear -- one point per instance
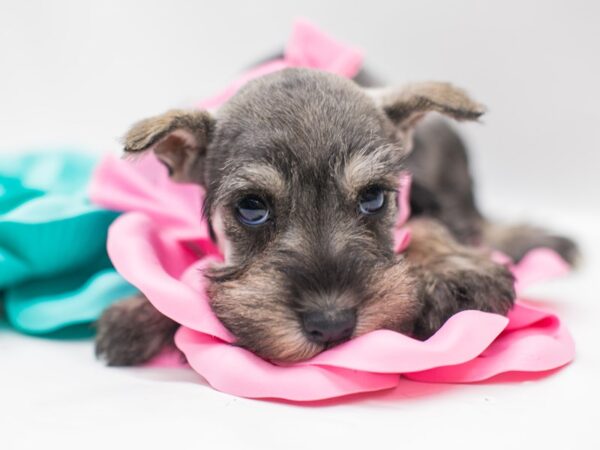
(178, 138)
(407, 105)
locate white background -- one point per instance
(76, 74)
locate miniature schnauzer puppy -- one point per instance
(301, 172)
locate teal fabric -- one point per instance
(54, 270)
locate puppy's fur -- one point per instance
(310, 144)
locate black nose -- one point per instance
(325, 328)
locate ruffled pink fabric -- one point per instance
(161, 244)
(308, 47)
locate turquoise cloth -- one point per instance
(54, 270)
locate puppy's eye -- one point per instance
(252, 211)
(371, 200)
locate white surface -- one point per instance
(78, 73)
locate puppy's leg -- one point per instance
(132, 331)
(452, 277)
(443, 190)
(442, 183)
(516, 240)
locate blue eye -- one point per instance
(371, 200)
(252, 211)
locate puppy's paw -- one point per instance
(516, 241)
(461, 282)
(565, 247)
(131, 332)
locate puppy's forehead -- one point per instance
(302, 125)
(302, 109)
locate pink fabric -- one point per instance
(308, 47)
(161, 244)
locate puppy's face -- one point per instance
(301, 174)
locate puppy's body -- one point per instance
(443, 189)
(300, 170)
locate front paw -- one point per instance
(131, 332)
(461, 282)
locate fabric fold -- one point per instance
(54, 268)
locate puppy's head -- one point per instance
(301, 171)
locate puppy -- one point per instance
(301, 172)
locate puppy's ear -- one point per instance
(407, 105)
(178, 138)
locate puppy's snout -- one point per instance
(325, 328)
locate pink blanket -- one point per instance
(161, 244)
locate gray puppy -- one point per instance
(301, 173)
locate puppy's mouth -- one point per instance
(304, 350)
(301, 345)
(256, 306)
(333, 344)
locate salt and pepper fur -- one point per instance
(309, 142)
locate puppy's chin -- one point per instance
(288, 350)
(277, 345)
